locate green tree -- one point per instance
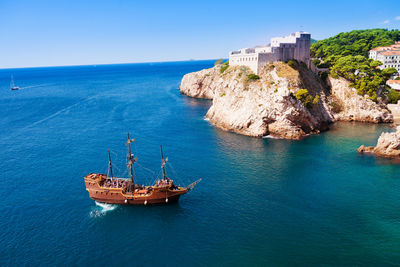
(307, 99)
(393, 96)
(357, 42)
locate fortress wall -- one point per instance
(249, 60)
(302, 48)
(295, 46)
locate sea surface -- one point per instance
(261, 202)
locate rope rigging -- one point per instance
(131, 160)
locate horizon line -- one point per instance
(103, 64)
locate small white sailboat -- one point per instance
(12, 85)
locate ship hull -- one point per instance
(149, 196)
(156, 201)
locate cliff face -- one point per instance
(201, 84)
(347, 105)
(268, 106)
(388, 145)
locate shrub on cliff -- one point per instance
(336, 107)
(324, 76)
(292, 63)
(224, 67)
(252, 77)
(393, 96)
(307, 99)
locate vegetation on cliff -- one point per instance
(307, 99)
(224, 65)
(357, 42)
(252, 77)
(346, 54)
(363, 73)
(282, 100)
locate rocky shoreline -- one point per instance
(388, 145)
(285, 101)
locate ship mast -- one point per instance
(110, 164)
(131, 160)
(12, 82)
(163, 161)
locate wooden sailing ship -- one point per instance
(109, 189)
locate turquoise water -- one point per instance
(261, 201)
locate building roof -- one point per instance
(393, 82)
(381, 48)
(391, 53)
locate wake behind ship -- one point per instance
(108, 189)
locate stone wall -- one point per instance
(295, 46)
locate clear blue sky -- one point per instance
(78, 32)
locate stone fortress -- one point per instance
(294, 46)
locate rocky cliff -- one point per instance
(347, 105)
(275, 103)
(388, 145)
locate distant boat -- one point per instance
(12, 85)
(113, 190)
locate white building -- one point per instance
(389, 56)
(295, 46)
(394, 84)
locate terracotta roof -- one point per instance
(381, 48)
(393, 81)
(391, 53)
(395, 46)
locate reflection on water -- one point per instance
(196, 102)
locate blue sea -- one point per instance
(261, 202)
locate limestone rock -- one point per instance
(365, 149)
(268, 106)
(257, 108)
(389, 145)
(201, 84)
(352, 107)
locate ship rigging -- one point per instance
(109, 189)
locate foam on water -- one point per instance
(101, 209)
(272, 137)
